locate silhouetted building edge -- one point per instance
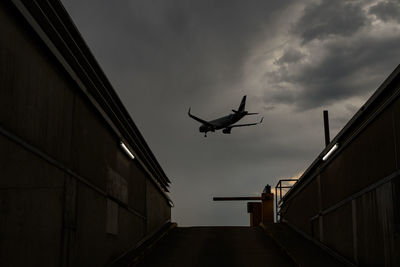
(372, 104)
(69, 193)
(348, 198)
(56, 29)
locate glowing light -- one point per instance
(330, 152)
(126, 149)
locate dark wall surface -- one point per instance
(350, 203)
(159, 212)
(69, 195)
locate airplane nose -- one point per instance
(202, 129)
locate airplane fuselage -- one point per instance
(221, 123)
(227, 122)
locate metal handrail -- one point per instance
(279, 186)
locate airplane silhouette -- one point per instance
(225, 122)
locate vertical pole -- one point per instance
(326, 128)
(280, 197)
(276, 203)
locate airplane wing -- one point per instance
(199, 120)
(247, 124)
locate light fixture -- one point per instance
(126, 149)
(330, 152)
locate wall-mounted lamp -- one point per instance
(126, 149)
(330, 152)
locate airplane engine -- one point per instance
(227, 130)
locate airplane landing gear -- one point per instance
(205, 135)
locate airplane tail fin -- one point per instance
(241, 109)
(242, 104)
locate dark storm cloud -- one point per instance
(344, 61)
(348, 68)
(329, 18)
(386, 10)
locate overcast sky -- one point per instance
(292, 59)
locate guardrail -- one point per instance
(282, 184)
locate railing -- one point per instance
(282, 184)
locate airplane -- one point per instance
(225, 122)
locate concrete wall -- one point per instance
(351, 202)
(69, 195)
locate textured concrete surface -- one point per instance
(217, 246)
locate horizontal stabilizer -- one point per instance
(247, 124)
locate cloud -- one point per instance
(291, 55)
(330, 18)
(335, 65)
(386, 11)
(344, 71)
